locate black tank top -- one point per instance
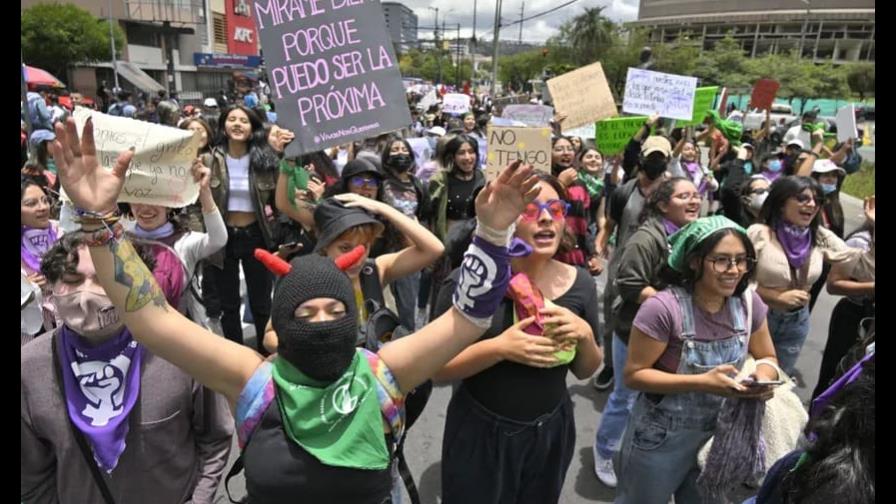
(278, 471)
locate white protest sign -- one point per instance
(583, 96)
(455, 103)
(507, 144)
(428, 100)
(531, 115)
(846, 123)
(753, 121)
(669, 95)
(160, 170)
(422, 150)
(584, 132)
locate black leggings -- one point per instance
(843, 333)
(240, 248)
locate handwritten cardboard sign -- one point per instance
(428, 100)
(612, 135)
(764, 92)
(846, 123)
(531, 115)
(583, 95)
(583, 132)
(704, 97)
(648, 92)
(455, 103)
(160, 171)
(506, 144)
(333, 72)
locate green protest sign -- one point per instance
(703, 99)
(612, 135)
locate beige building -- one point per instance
(838, 31)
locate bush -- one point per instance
(861, 183)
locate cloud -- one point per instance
(535, 30)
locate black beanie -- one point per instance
(321, 350)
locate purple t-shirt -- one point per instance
(660, 318)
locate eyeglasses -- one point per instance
(556, 209)
(805, 198)
(688, 196)
(761, 190)
(359, 181)
(722, 264)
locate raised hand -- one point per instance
(502, 200)
(870, 205)
(356, 200)
(90, 186)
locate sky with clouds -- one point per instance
(535, 30)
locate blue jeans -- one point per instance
(789, 331)
(618, 408)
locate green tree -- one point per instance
(725, 65)
(590, 34)
(860, 77)
(679, 57)
(625, 52)
(56, 35)
(515, 71)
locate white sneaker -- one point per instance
(603, 469)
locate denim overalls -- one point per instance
(658, 457)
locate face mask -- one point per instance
(88, 313)
(756, 201)
(828, 188)
(775, 165)
(654, 168)
(401, 162)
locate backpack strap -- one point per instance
(369, 278)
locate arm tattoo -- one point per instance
(131, 272)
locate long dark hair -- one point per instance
(840, 461)
(554, 168)
(454, 145)
(781, 190)
(384, 156)
(661, 195)
(690, 277)
(261, 155)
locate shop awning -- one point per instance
(138, 77)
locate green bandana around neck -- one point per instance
(731, 129)
(689, 237)
(813, 127)
(592, 183)
(339, 423)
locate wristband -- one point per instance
(769, 362)
(91, 217)
(498, 237)
(484, 276)
(102, 237)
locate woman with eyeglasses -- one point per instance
(687, 343)
(510, 432)
(753, 194)
(563, 156)
(39, 233)
(791, 247)
(674, 204)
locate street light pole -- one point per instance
(805, 25)
(112, 44)
(498, 4)
(473, 48)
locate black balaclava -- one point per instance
(321, 350)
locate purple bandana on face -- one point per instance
(670, 227)
(102, 384)
(35, 243)
(693, 169)
(796, 241)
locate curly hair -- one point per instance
(661, 195)
(63, 258)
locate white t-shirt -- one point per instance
(240, 199)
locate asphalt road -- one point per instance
(424, 443)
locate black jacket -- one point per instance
(643, 257)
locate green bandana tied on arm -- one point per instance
(592, 184)
(296, 177)
(813, 127)
(689, 237)
(731, 129)
(339, 423)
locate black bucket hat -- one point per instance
(332, 218)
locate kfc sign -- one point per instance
(241, 28)
(242, 35)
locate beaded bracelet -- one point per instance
(101, 237)
(90, 217)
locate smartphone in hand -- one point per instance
(752, 382)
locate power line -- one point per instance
(523, 20)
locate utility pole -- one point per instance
(436, 37)
(441, 49)
(805, 26)
(457, 58)
(112, 43)
(473, 48)
(522, 10)
(498, 4)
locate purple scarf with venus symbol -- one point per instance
(796, 242)
(670, 227)
(35, 243)
(102, 384)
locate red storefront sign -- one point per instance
(242, 38)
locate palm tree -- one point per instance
(591, 34)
